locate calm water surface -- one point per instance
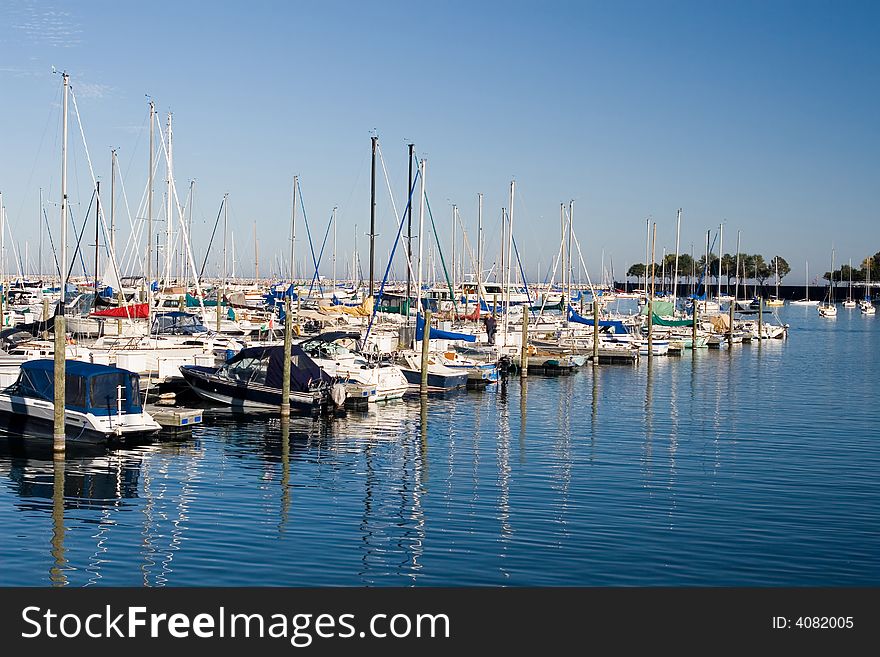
(751, 467)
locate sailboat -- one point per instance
(850, 302)
(865, 305)
(806, 300)
(828, 308)
(775, 300)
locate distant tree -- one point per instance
(636, 271)
(728, 266)
(685, 266)
(783, 267)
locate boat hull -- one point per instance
(207, 385)
(23, 414)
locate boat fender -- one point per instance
(337, 394)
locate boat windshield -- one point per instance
(105, 389)
(248, 370)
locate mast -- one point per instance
(736, 278)
(452, 286)
(562, 255)
(423, 167)
(408, 231)
(97, 236)
(256, 254)
(334, 249)
(509, 256)
(479, 248)
(373, 139)
(60, 353)
(720, 252)
(293, 232)
(675, 275)
(568, 250)
(149, 271)
(647, 245)
(40, 220)
(113, 202)
(168, 209)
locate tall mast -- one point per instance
(408, 230)
(736, 278)
(334, 249)
(60, 353)
(454, 212)
(40, 220)
(647, 256)
(373, 140)
(113, 202)
(509, 256)
(168, 210)
(97, 236)
(677, 234)
(720, 253)
(256, 254)
(570, 229)
(479, 248)
(562, 249)
(423, 168)
(150, 207)
(293, 233)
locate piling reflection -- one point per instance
(57, 573)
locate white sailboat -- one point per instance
(865, 305)
(828, 308)
(850, 302)
(775, 300)
(806, 300)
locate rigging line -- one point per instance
(308, 231)
(113, 261)
(52, 243)
(442, 259)
(78, 241)
(211, 241)
(523, 274)
(390, 259)
(320, 256)
(391, 195)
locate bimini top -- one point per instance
(304, 372)
(88, 387)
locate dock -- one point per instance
(175, 419)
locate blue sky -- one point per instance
(762, 115)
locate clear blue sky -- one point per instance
(760, 114)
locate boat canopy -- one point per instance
(659, 321)
(616, 326)
(177, 323)
(437, 334)
(660, 308)
(305, 375)
(88, 387)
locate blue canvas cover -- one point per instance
(618, 327)
(88, 388)
(437, 334)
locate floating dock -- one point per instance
(175, 419)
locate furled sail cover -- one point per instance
(437, 334)
(135, 311)
(618, 327)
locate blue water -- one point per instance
(757, 466)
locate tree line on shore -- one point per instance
(752, 267)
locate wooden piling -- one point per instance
(58, 434)
(45, 317)
(426, 343)
(524, 350)
(285, 382)
(730, 328)
(595, 330)
(760, 318)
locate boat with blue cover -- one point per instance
(253, 377)
(102, 403)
